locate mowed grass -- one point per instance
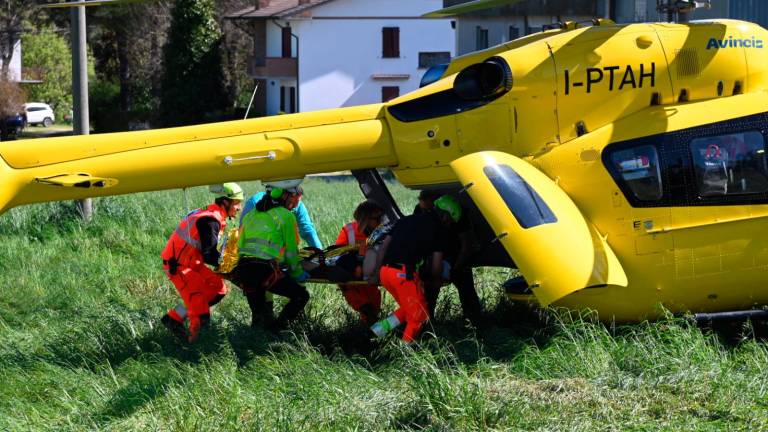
(81, 348)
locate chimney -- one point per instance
(261, 4)
(303, 2)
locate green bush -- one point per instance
(48, 56)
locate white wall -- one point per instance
(15, 67)
(275, 40)
(273, 96)
(337, 57)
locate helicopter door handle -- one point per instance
(229, 160)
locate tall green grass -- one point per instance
(81, 348)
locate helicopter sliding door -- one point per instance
(554, 246)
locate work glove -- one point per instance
(302, 277)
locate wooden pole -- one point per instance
(81, 120)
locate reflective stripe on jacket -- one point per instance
(307, 230)
(184, 244)
(271, 235)
(350, 234)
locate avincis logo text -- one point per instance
(732, 42)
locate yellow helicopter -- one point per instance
(619, 167)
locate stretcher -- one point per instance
(332, 265)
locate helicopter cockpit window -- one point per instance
(521, 199)
(732, 164)
(475, 86)
(639, 168)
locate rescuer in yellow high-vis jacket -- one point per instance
(269, 257)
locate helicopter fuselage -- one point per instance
(604, 110)
(622, 168)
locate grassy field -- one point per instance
(81, 348)
(38, 131)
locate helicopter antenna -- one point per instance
(679, 10)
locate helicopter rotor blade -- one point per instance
(469, 7)
(86, 3)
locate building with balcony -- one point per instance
(317, 54)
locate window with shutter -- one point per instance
(389, 92)
(391, 42)
(482, 38)
(429, 59)
(286, 42)
(514, 33)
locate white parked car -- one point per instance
(39, 113)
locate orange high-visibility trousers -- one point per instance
(358, 296)
(198, 286)
(409, 295)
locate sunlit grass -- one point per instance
(81, 349)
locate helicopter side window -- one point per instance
(732, 164)
(639, 168)
(521, 199)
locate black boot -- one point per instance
(176, 328)
(263, 315)
(268, 313)
(368, 314)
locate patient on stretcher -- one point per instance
(334, 264)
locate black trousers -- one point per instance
(464, 282)
(252, 274)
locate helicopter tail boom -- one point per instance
(279, 147)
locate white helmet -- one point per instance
(282, 185)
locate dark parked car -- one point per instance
(12, 126)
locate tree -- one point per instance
(237, 48)
(127, 45)
(127, 42)
(48, 55)
(192, 85)
(16, 18)
(11, 100)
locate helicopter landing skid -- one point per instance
(755, 314)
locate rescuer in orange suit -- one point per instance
(191, 246)
(413, 241)
(364, 299)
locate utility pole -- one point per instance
(81, 120)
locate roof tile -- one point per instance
(276, 9)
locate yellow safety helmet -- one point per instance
(230, 190)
